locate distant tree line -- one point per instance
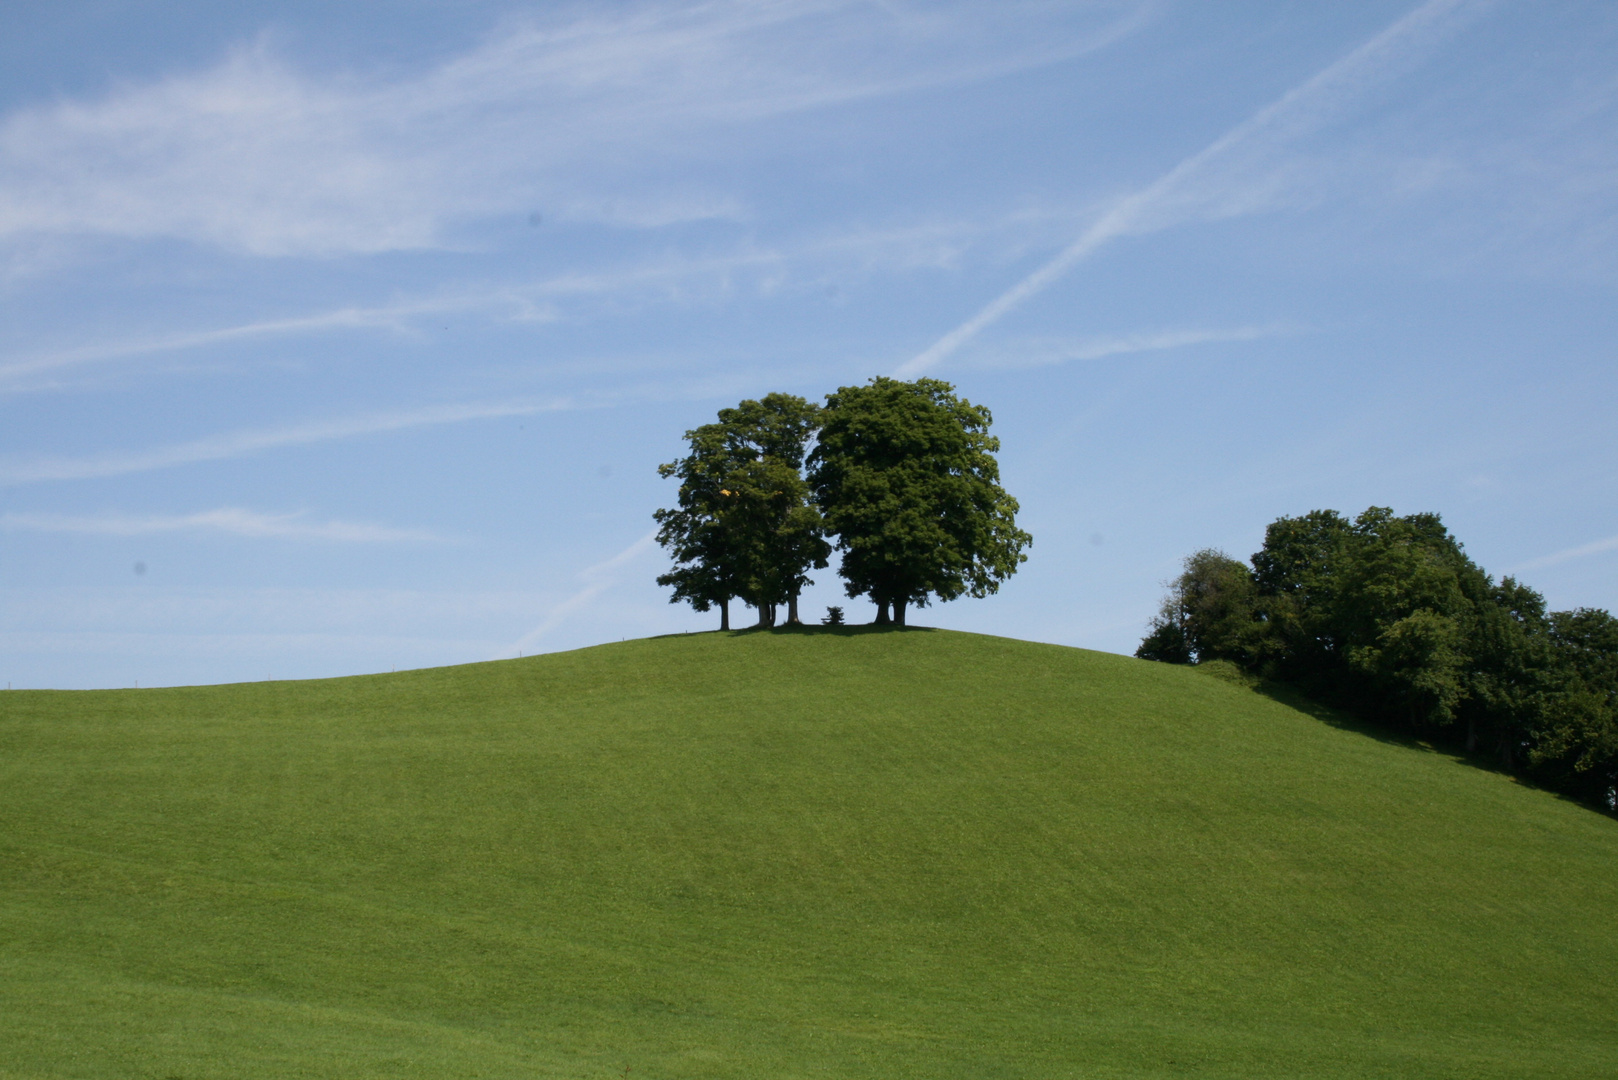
(900, 477)
(1389, 617)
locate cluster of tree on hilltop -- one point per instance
(1389, 616)
(898, 476)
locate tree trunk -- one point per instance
(1471, 734)
(792, 610)
(724, 614)
(1506, 757)
(881, 613)
(763, 617)
(898, 613)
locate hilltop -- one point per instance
(825, 853)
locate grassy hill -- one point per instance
(810, 854)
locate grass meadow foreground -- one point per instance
(792, 854)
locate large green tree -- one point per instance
(1574, 743)
(779, 534)
(699, 533)
(905, 475)
(1406, 604)
(744, 527)
(1210, 613)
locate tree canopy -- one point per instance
(903, 475)
(1389, 616)
(744, 526)
(698, 532)
(906, 477)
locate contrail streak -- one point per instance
(235, 444)
(601, 577)
(1341, 79)
(1596, 548)
(227, 520)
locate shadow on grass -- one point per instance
(1338, 717)
(811, 630)
(1346, 720)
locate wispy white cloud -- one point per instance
(15, 471)
(234, 521)
(819, 260)
(1234, 174)
(1597, 547)
(841, 253)
(598, 579)
(582, 116)
(398, 318)
(1041, 352)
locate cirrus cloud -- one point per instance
(231, 520)
(257, 157)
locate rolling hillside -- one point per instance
(796, 854)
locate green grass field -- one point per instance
(787, 854)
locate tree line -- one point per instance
(899, 477)
(1389, 617)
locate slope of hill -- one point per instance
(818, 853)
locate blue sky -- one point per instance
(342, 338)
